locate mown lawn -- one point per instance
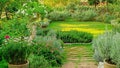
(92, 27)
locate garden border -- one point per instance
(77, 43)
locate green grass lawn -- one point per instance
(92, 27)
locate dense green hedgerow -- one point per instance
(57, 15)
(74, 36)
(88, 15)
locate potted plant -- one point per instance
(16, 54)
(105, 49)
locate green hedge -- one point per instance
(74, 37)
(88, 15)
(58, 15)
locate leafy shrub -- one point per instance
(42, 32)
(74, 37)
(71, 6)
(0, 54)
(50, 48)
(3, 64)
(101, 10)
(57, 15)
(16, 27)
(108, 18)
(2, 35)
(38, 62)
(84, 8)
(107, 47)
(115, 50)
(88, 15)
(116, 25)
(16, 52)
(46, 32)
(102, 46)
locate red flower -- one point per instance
(7, 37)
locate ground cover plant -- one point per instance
(91, 27)
(74, 36)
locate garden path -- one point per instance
(79, 57)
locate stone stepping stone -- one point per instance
(69, 65)
(73, 59)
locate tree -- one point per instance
(12, 6)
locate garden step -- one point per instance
(69, 65)
(87, 59)
(73, 59)
(86, 55)
(87, 66)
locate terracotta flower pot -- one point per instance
(26, 65)
(107, 65)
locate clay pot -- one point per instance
(26, 65)
(107, 65)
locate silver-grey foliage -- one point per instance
(107, 46)
(102, 45)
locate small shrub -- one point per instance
(2, 35)
(50, 48)
(101, 10)
(42, 32)
(74, 37)
(107, 47)
(71, 6)
(38, 62)
(88, 15)
(0, 54)
(102, 45)
(108, 18)
(115, 50)
(57, 15)
(116, 25)
(84, 8)
(16, 52)
(45, 32)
